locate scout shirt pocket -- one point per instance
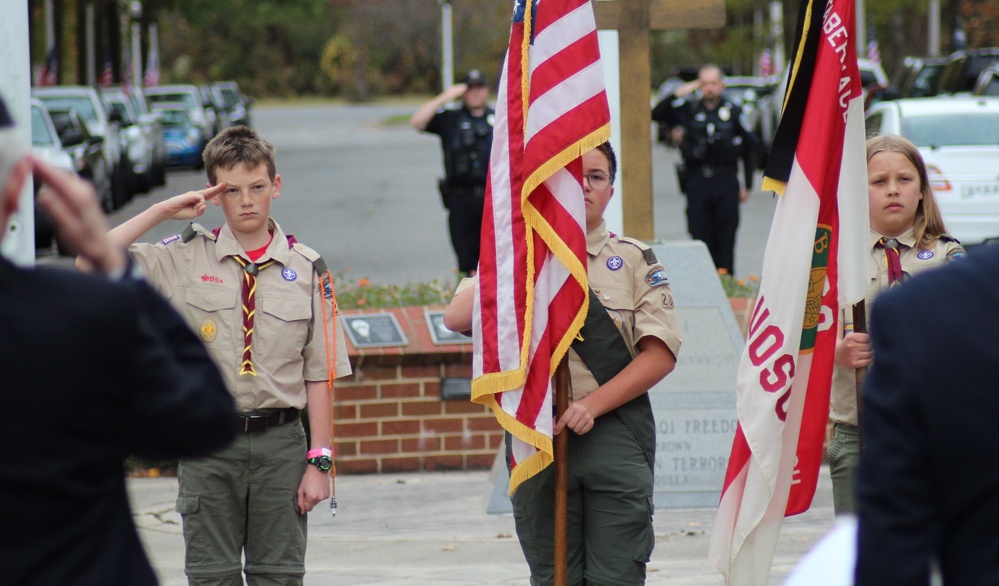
(282, 325)
(210, 312)
(620, 306)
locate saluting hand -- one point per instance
(72, 204)
(190, 205)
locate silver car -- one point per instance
(89, 106)
(189, 95)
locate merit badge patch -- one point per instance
(209, 330)
(656, 277)
(925, 254)
(170, 239)
(289, 274)
(614, 263)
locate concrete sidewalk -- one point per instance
(432, 528)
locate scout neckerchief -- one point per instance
(250, 270)
(892, 260)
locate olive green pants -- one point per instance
(610, 535)
(241, 501)
(844, 455)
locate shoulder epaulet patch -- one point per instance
(647, 253)
(949, 238)
(317, 261)
(193, 230)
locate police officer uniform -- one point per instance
(713, 142)
(294, 318)
(466, 140)
(844, 447)
(610, 534)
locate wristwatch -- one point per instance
(321, 458)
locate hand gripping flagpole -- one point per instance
(561, 475)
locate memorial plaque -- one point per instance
(439, 334)
(694, 406)
(374, 330)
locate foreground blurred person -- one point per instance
(927, 480)
(95, 368)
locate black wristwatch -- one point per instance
(321, 458)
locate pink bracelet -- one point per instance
(319, 452)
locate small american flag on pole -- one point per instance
(49, 74)
(532, 294)
(106, 76)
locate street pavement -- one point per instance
(432, 528)
(359, 186)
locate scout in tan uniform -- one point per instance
(907, 237)
(263, 305)
(629, 343)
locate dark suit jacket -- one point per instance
(928, 483)
(92, 371)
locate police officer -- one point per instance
(466, 137)
(713, 134)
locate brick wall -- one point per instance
(389, 415)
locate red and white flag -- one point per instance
(49, 75)
(814, 264)
(532, 293)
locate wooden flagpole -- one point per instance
(561, 475)
(860, 327)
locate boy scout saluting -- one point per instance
(263, 305)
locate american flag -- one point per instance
(49, 75)
(873, 51)
(766, 63)
(814, 264)
(531, 299)
(106, 76)
(152, 76)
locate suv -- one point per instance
(100, 122)
(190, 96)
(964, 67)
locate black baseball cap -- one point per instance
(474, 77)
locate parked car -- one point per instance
(136, 138)
(89, 106)
(190, 96)
(916, 77)
(87, 153)
(214, 101)
(152, 120)
(46, 146)
(988, 82)
(963, 68)
(237, 105)
(755, 96)
(957, 137)
(182, 136)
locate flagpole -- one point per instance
(860, 326)
(561, 475)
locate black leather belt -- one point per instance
(260, 420)
(709, 171)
